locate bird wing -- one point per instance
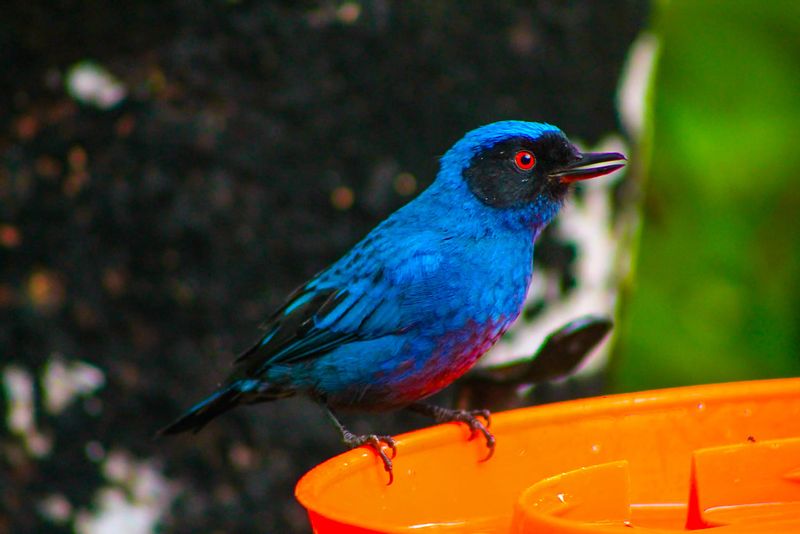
(382, 287)
(316, 320)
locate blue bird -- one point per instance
(413, 306)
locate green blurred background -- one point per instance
(715, 292)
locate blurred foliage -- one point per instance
(716, 292)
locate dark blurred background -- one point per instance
(169, 171)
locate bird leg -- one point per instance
(470, 417)
(375, 442)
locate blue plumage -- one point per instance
(414, 304)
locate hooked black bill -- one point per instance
(585, 167)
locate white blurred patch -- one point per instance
(21, 415)
(63, 381)
(589, 223)
(56, 508)
(134, 501)
(136, 495)
(635, 83)
(93, 85)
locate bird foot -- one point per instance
(472, 418)
(376, 443)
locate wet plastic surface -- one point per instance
(725, 456)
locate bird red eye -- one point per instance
(524, 160)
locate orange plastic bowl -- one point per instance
(725, 456)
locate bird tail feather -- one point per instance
(212, 406)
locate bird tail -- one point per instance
(243, 391)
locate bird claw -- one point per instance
(486, 414)
(490, 443)
(376, 443)
(471, 419)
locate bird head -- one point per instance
(526, 166)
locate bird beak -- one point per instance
(586, 166)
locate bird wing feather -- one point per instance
(316, 320)
(357, 298)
